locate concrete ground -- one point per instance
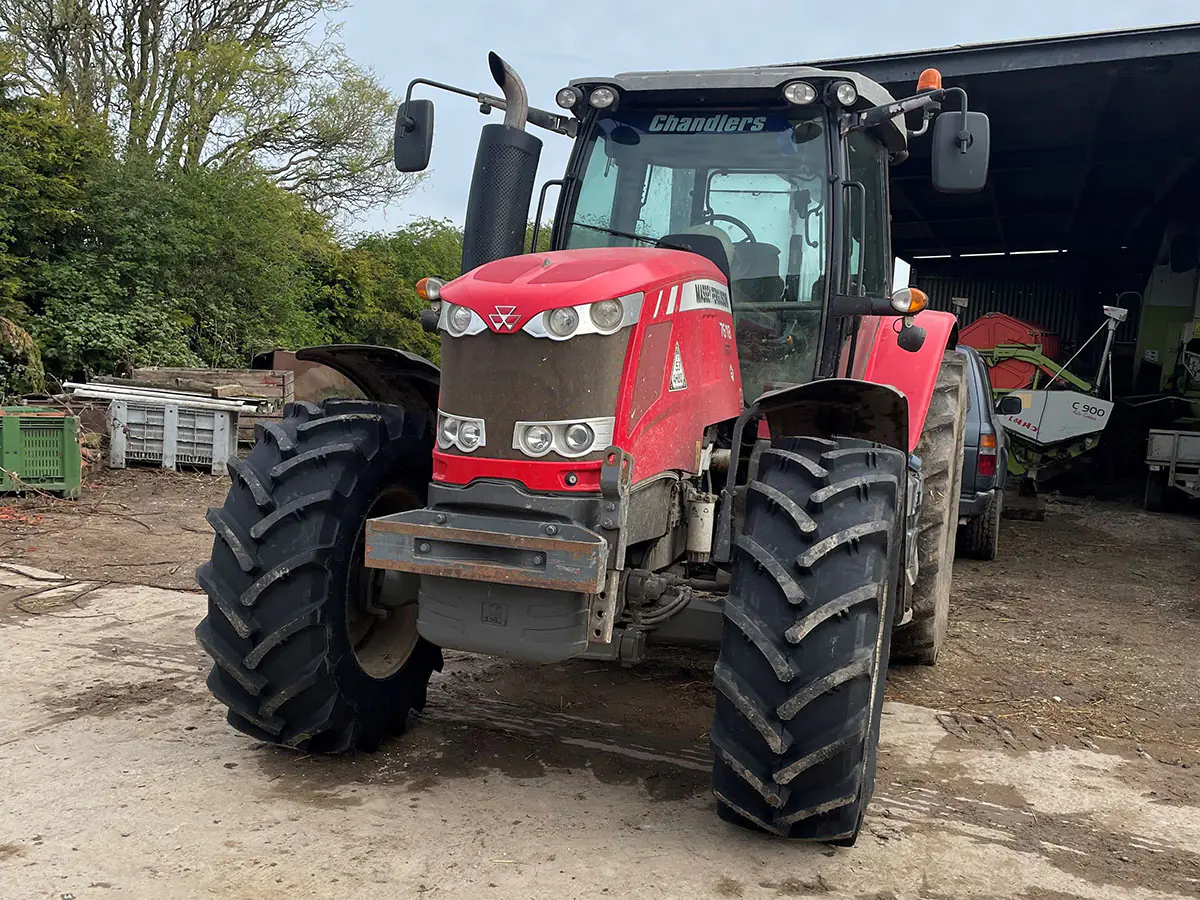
(120, 779)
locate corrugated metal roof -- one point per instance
(1060, 296)
(1080, 48)
(1095, 141)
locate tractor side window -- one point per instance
(667, 201)
(868, 166)
(597, 195)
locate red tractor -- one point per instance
(706, 416)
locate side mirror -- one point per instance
(1010, 406)
(911, 338)
(413, 143)
(961, 150)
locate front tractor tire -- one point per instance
(311, 649)
(804, 653)
(941, 453)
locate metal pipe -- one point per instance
(1065, 365)
(516, 98)
(539, 117)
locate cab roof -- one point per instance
(693, 87)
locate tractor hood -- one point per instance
(508, 293)
(550, 359)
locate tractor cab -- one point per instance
(758, 165)
(777, 174)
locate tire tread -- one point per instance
(800, 673)
(283, 552)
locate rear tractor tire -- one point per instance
(804, 654)
(312, 650)
(941, 453)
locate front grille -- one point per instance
(506, 378)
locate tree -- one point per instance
(44, 163)
(202, 268)
(210, 83)
(20, 362)
(388, 268)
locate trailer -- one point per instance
(1173, 458)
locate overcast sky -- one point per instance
(550, 43)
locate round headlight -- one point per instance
(579, 437)
(602, 97)
(458, 319)
(537, 439)
(607, 314)
(846, 93)
(568, 97)
(447, 431)
(800, 93)
(469, 434)
(562, 322)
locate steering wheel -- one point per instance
(722, 217)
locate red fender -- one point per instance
(879, 358)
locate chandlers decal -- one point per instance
(720, 124)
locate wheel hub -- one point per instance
(381, 605)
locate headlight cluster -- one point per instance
(801, 93)
(458, 320)
(601, 317)
(467, 434)
(569, 438)
(559, 324)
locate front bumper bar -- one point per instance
(558, 556)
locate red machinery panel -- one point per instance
(992, 330)
(680, 373)
(878, 357)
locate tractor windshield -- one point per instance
(758, 182)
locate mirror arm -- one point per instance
(963, 139)
(927, 101)
(925, 120)
(539, 117)
(877, 115)
(862, 305)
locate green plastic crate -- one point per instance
(39, 450)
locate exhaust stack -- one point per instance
(502, 184)
(516, 98)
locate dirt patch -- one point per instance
(1080, 634)
(1074, 842)
(8, 851)
(727, 887)
(795, 887)
(107, 699)
(463, 738)
(1084, 630)
(1081, 637)
(141, 526)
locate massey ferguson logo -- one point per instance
(505, 318)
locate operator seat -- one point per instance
(755, 271)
